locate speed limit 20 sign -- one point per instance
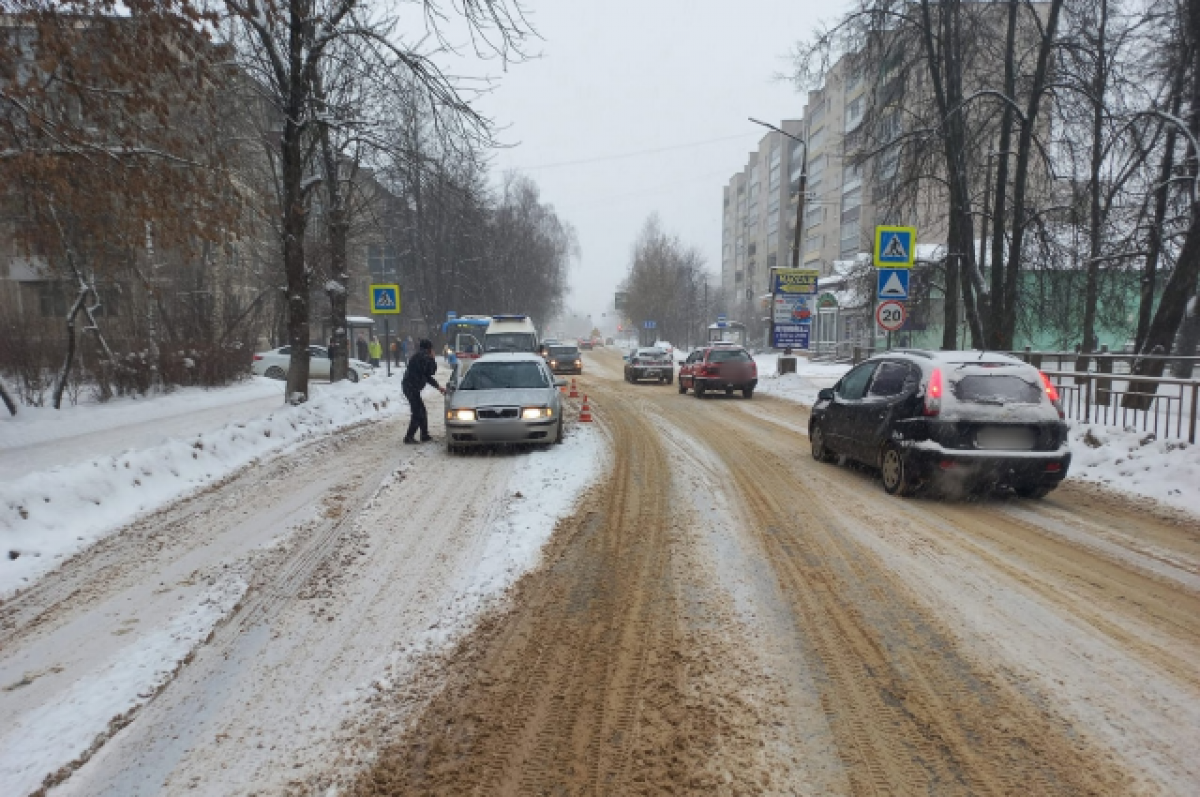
(890, 315)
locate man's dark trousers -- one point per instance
(420, 418)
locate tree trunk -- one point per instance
(7, 398)
(1091, 291)
(338, 224)
(1012, 272)
(295, 219)
(1181, 285)
(998, 307)
(1154, 244)
(64, 372)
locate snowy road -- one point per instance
(715, 613)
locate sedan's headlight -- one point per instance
(533, 413)
(553, 363)
(578, 362)
(460, 415)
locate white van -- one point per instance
(511, 333)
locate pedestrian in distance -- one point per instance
(375, 349)
(395, 353)
(362, 350)
(419, 373)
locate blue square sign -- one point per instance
(385, 299)
(893, 283)
(895, 247)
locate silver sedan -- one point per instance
(505, 398)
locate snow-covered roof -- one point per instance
(360, 321)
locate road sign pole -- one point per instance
(387, 345)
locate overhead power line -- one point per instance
(638, 153)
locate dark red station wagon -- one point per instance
(727, 368)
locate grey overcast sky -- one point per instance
(627, 76)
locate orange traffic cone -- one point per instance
(574, 390)
(585, 412)
(563, 389)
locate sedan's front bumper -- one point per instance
(489, 432)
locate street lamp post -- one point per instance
(802, 189)
(800, 192)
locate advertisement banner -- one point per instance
(794, 310)
(794, 281)
(790, 336)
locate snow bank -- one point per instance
(801, 386)
(47, 516)
(1136, 462)
(59, 732)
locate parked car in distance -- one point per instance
(275, 363)
(649, 362)
(969, 420)
(565, 359)
(722, 366)
(585, 344)
(505, 398)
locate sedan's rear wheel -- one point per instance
(558, 437)
(275, 372)
(682, 387)
(896, 477)
(352, 375)
(816, 439)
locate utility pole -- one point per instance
(802, 189)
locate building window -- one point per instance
(383, 262)
(854, 114)
(54, 299)
(774, 177)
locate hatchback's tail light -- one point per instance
(933, 393)
(1052, 394)
(710, 370)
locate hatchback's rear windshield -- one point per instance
(728, 356)
(563, 351)
(500, 376)
(997, 389)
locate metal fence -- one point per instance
(1096, 397)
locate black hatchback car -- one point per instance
(972, 419)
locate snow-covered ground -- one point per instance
(206, 580)
(117, 467)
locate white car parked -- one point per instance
(274, 364)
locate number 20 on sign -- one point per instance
(890, 315)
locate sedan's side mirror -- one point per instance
(825, 395)
(560, 383)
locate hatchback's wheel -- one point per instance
(1033, 491)
(816, 439)
(748, 392)
(896, 477)
(682, 387)
(728, 391)
(699, 389)
(275, 372)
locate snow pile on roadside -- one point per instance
(32, 425)
(61, 731)
(801, 386)
(1136, 462)
(543, 488)
(49, 515)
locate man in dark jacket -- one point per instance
(419, 373)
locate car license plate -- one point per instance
(1005, 438)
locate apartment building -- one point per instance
(759, 221)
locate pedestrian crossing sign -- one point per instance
(895, 247)
(385, 299)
